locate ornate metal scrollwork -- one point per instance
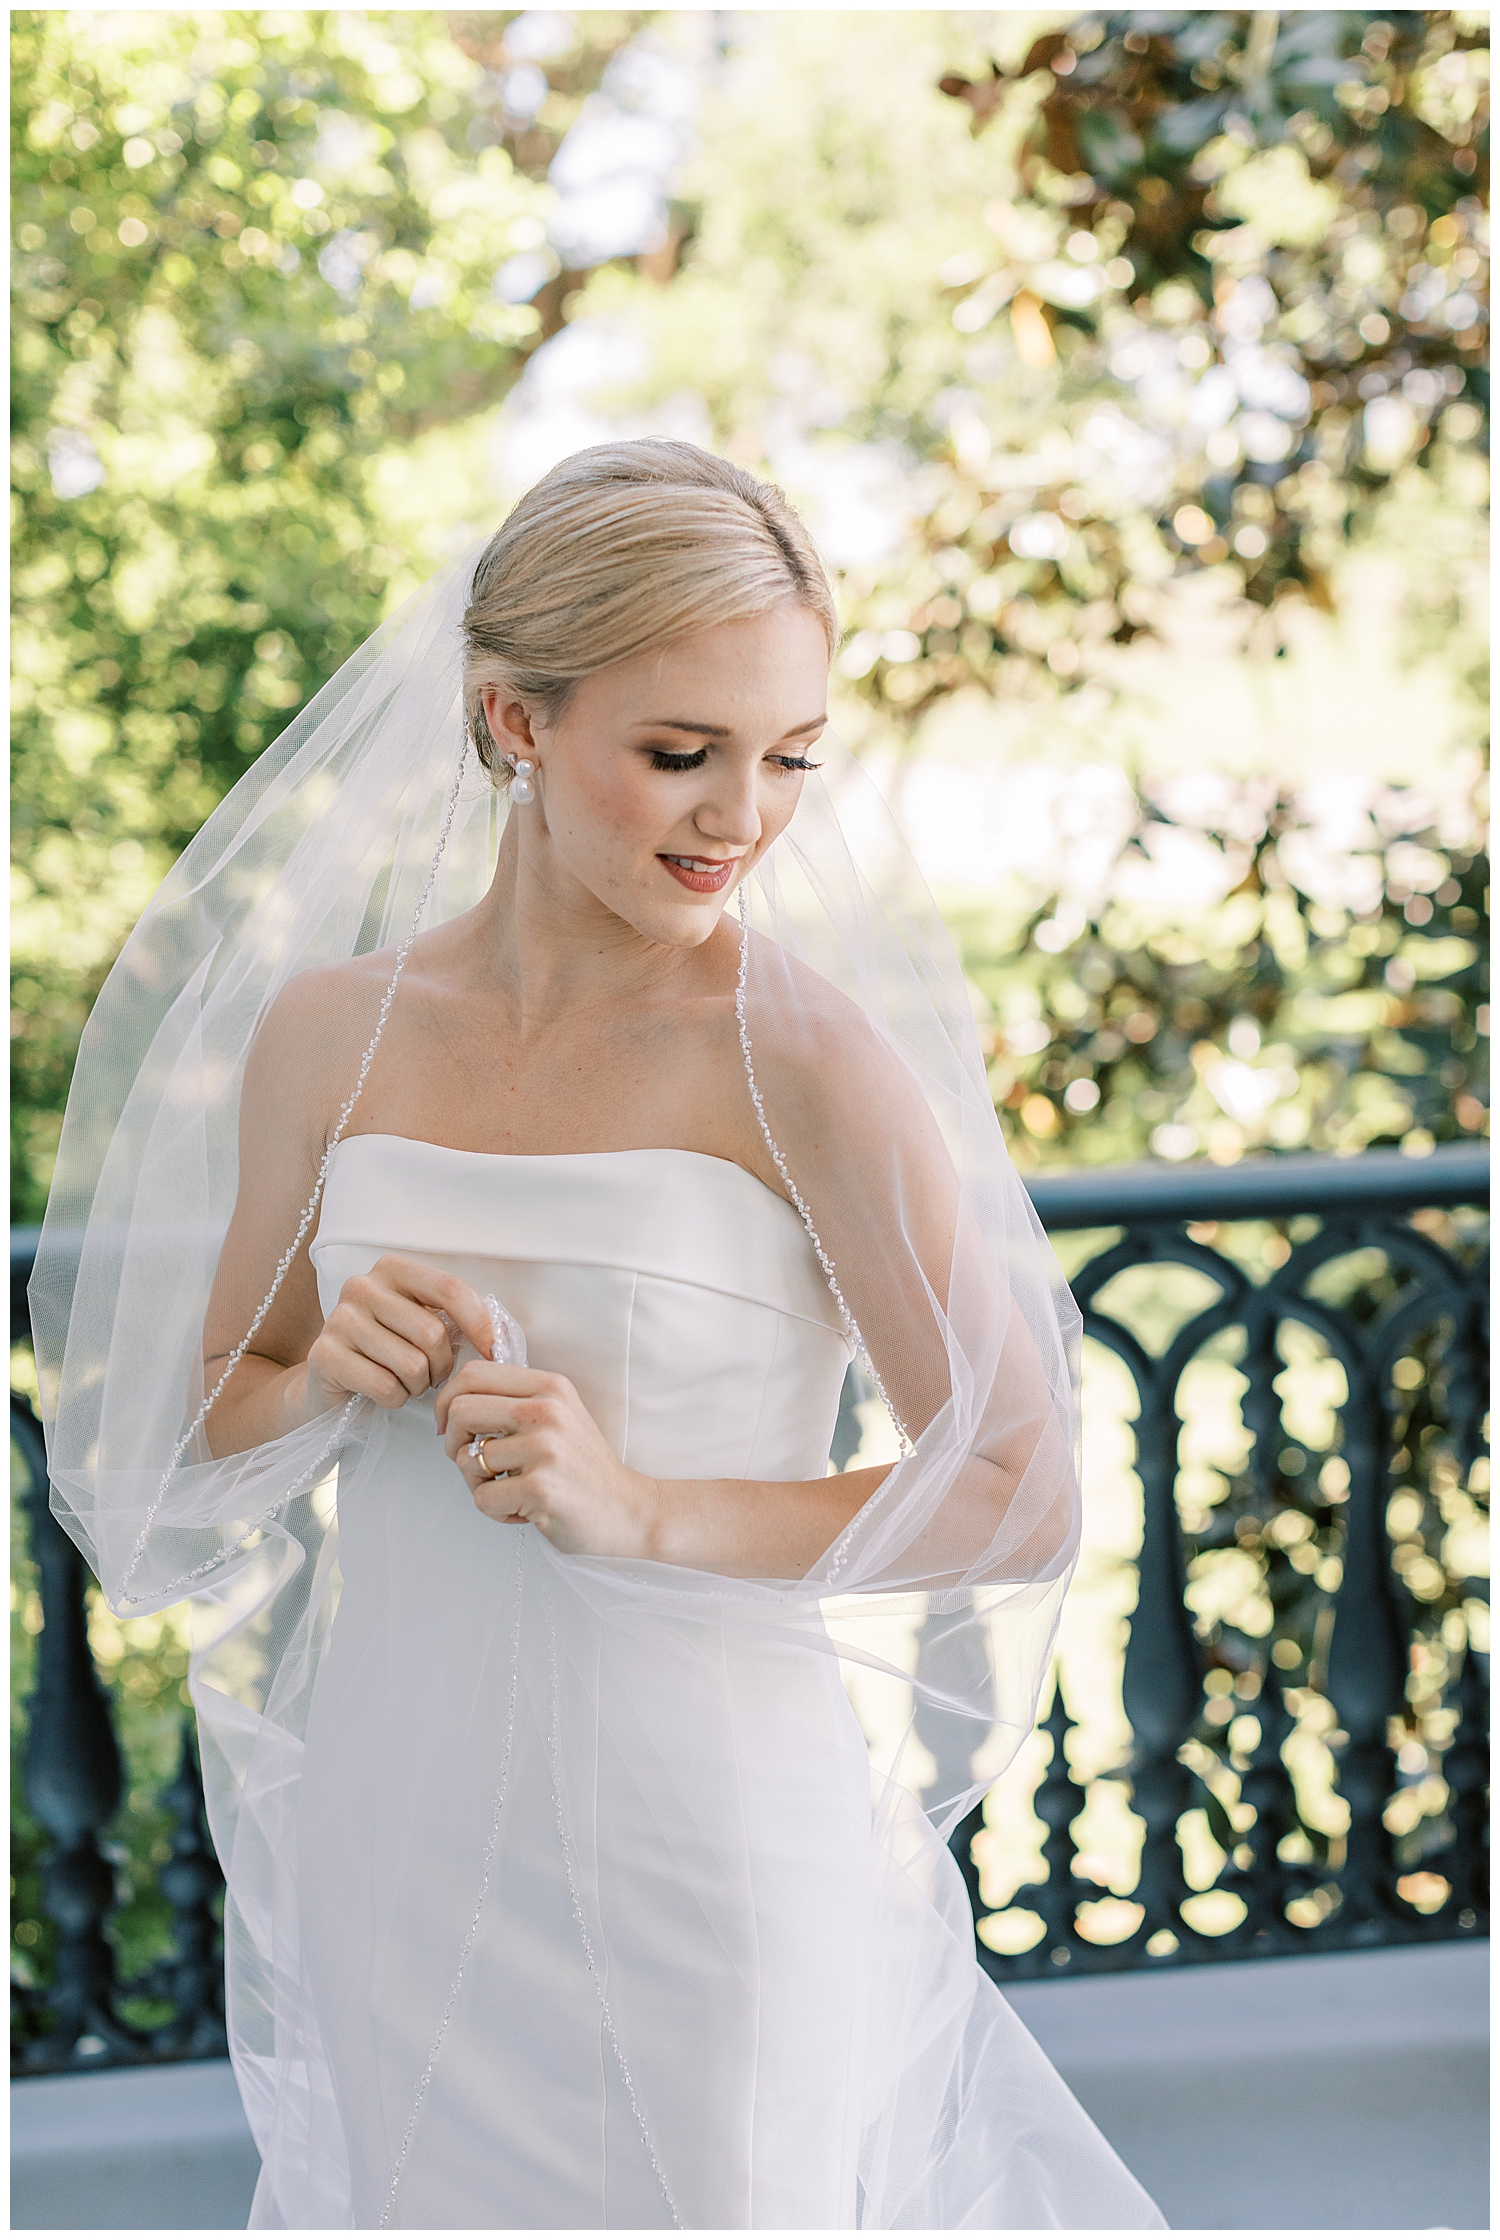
(72, 1784)
(1409, 1337)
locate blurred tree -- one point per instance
(1268, 227)
(256, 261)
(1122, 305)
(539, 69)
(1158, 328)
(1276, 215)
(255, 255)
(1261, 1020)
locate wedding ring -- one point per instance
(476, 1447)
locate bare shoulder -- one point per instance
(309, 1039)
(329, 1004)
(820, 1048)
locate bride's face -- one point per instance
(667, 776)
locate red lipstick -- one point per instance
(702, 874)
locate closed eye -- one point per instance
(661, 760)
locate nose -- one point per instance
(730, 814)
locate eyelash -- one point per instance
(661, 761)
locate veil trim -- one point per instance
(851, 1327)
(284, 1264)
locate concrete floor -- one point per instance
(1349, 2092)
(1341, 2093)
(131, 2150)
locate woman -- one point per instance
(461, 1319)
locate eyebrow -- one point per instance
(719, 730)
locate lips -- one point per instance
(701, 874)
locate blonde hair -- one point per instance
(621, 549)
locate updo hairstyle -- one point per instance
(620, 549)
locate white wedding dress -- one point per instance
(736, 2063)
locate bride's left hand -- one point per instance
(559, 1472)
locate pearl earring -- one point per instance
(521, 787)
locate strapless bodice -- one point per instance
(680, 1295)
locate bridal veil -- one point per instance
(369, 814)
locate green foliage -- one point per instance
(1131, 305)
(253, 271)
(1263, 1021)
(1171, 329)
(255, 257)
(1281, 207)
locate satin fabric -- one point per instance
(776, 2006)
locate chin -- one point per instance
(653, 904)
(686, 927)
(663, 912)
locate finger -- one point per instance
(371, 1313)
(418, 1326)
(493, 1379)
(348, 1371)
(494, 1409)
(508, 1377)
(461, 1440)
(434, 1287)
(374, 1342)
(506, 1453)
(495, 1497)
(499, 1500)
(512, 1491)
(478, 1412)
(476, 1470)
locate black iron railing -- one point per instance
(1381, 1260)
(1369, 1257)
(72, 1784)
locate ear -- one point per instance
(510, 726)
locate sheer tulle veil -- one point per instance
(368, 816)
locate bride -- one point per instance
(520, 1105)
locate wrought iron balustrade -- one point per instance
(1381, 1260)
(72, 1783)
(1369, 1257)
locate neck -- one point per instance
(555, 949)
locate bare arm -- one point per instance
(385, 1338)
(757, 1528)
(949, 1284)
(547, 1463)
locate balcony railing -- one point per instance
(1376, 1264)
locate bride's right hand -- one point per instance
(386, 1340)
